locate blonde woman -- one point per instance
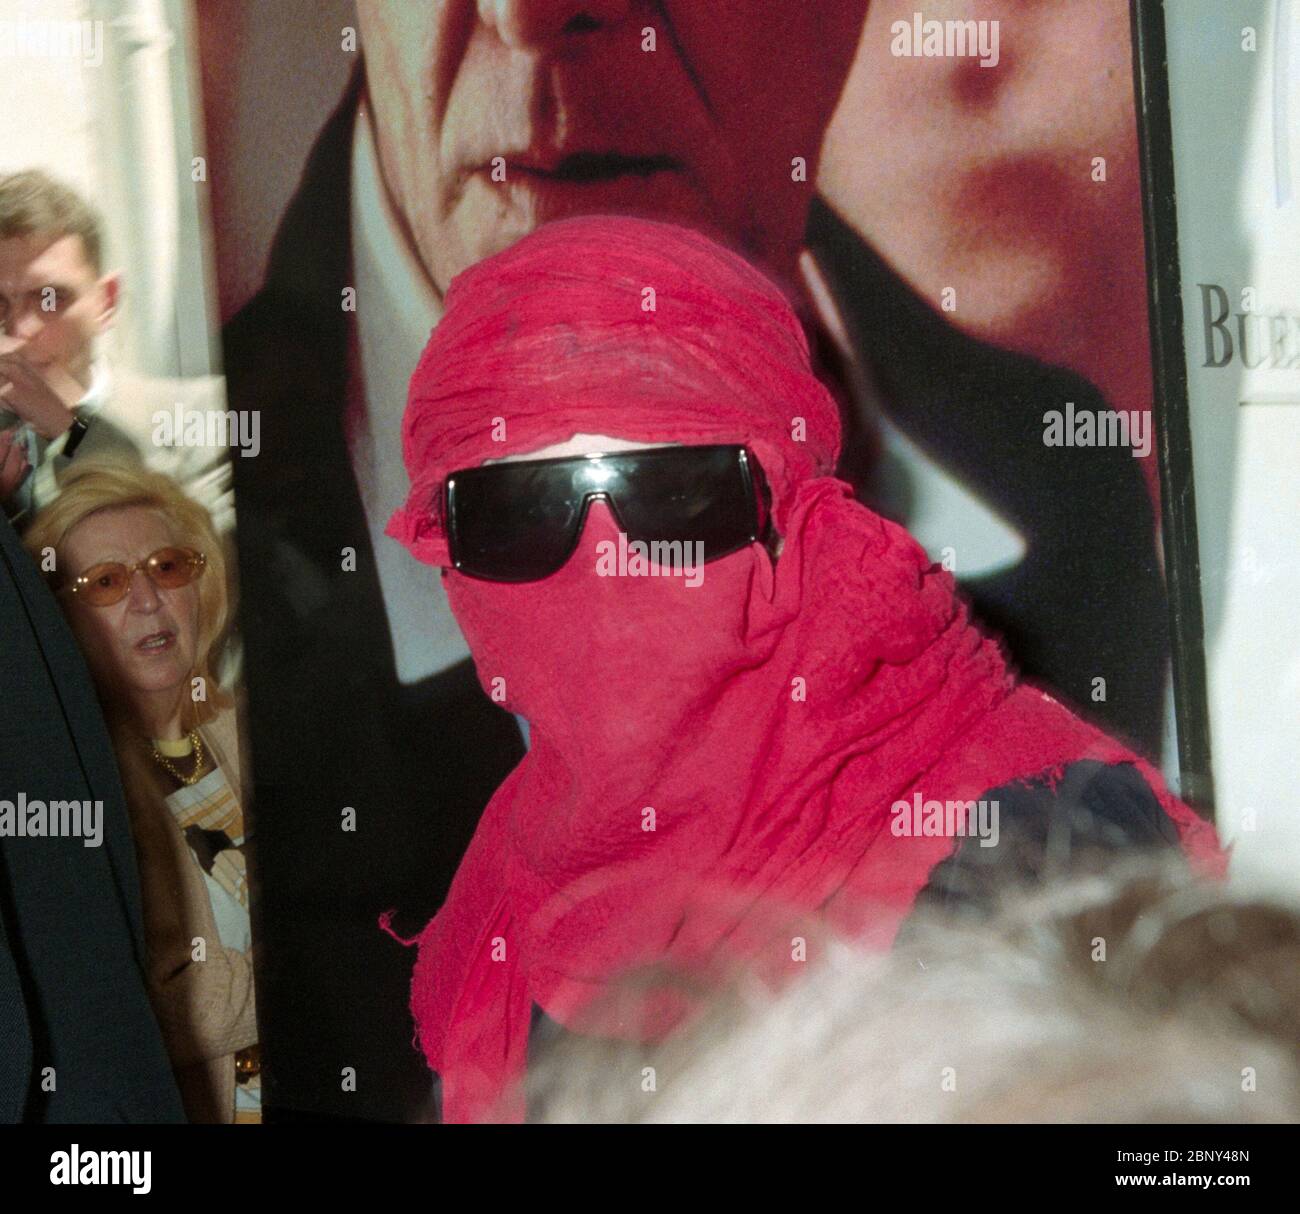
(141, 575)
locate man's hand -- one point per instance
(13, 463)
(43, 399)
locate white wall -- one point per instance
(116, 121)
(1236, 116)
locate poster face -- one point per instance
(953, 203)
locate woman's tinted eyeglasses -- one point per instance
(520, 522)
(108, 583)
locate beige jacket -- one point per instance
(205, 1008)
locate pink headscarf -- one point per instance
(699, 755)
(625, 340)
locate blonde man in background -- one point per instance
(60, 399)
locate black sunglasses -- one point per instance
(520, 522)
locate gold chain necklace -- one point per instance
(193, 778)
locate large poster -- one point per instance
(950, 197)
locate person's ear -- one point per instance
(110, 295)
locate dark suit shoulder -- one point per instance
(1077, 824)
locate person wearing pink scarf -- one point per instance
(769, 740)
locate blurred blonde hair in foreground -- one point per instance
(1141, 996)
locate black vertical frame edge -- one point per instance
(1170, 404)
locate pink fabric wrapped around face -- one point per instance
(770, 718)
(657, 335)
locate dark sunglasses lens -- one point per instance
(513, 522)
(172, 568)
(103, 585)
(699, 493)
